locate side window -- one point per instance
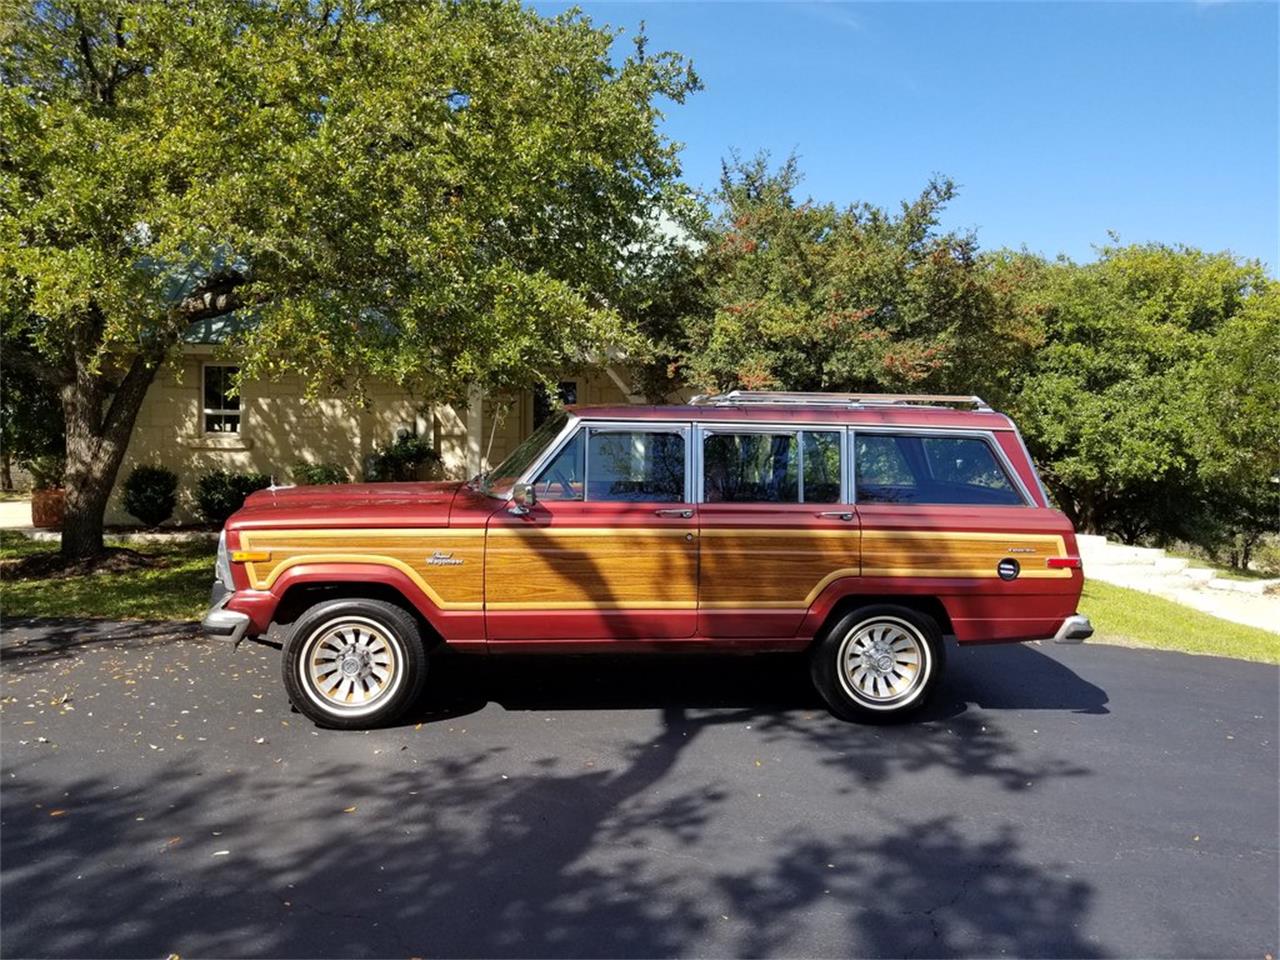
(635, 465)
(821, 467)
(751, 468)
(966, 467)
(561, 479)
(930, 470)
(221, 411)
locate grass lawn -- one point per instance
(179, 590)
(1133, 618)
(7, 496)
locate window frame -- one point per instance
(706, 429)
(206, 412)
(588, 427)
(985, 436)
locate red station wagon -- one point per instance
(862, 528)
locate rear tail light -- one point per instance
(1063, 563)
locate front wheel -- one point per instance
(354, 664)
(878, 663)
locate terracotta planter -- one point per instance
(47, 508)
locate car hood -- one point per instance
(349, 504)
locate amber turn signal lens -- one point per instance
(247, 556)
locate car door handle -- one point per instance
(844, 515)
(675, 512)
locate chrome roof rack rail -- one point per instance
(737, 398)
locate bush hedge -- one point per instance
(318, 474)
(400, 461)
(219, 494)
(150, 494)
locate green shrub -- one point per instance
(150, 494)
(400, 461)
(318, 474)
(219, 494)
(46, 471)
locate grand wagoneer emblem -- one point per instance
(442, 559)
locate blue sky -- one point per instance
(1059, 121)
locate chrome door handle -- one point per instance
(844, 515)
(675, 512)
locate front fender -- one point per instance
(462, 624)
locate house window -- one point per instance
(566, 393)
(221, 402)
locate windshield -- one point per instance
(499, 480)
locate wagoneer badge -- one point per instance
(442, 559)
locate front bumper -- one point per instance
(1074, 629)
(223, 623)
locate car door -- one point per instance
(775, 523)
(609, 550)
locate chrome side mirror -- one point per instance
(523, 498)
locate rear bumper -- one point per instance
(1074, 629)
(222, 623)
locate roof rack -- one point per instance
(736, 398)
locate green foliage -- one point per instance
(431, 194)
(319, 474)
(150, 494)
(805, 296)
(220, 494)
(400, 461)
(31, 422)
(46, 471)
(1149, 406)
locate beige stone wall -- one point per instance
(279, 427)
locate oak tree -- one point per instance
(437, 194)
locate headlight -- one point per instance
(222, 568)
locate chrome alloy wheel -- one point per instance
(350, 666)
(884, 663)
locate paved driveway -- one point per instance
(158, 796)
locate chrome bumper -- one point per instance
(223, 623)
(1074, 629)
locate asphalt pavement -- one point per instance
(157, 796)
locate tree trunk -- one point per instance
(96, 443)
(6, 469)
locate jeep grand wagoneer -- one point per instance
(861, 528)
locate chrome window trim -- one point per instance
(943, 433)
(693, 429)
(704, 429)
(575, 423)
(568, 430)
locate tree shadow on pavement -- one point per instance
(28, 643)
(453, 858)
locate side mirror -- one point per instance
(523, 498)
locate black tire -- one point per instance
(868, 692)
(371, 643)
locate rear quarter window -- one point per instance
(908, 469)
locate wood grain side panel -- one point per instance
(623, 568)
(927, 553)
(771, 568)
(448, 565)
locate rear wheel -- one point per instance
(353, 664)
(878, 663)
